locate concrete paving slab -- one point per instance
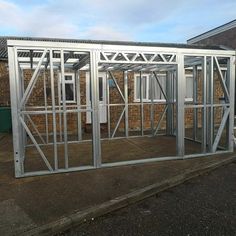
(13, 220)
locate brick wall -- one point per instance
(4, 84)
(37, 99)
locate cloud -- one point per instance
(149, 20)
(35, 21)
(9, 13)
(131, 12)
(105, 33)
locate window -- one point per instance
(146, 88)
(69, 88)
(157, 93)
(189, 88)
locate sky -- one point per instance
(169, 21)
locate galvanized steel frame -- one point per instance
(126, 58)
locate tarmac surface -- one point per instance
(205, 205)
(46, 205)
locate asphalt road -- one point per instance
(205, 205)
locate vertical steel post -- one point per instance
(152, 104)
(141, 100)
(204, 90)
(78, 99)
(180, 105)
(174, 88)
(64, 110)
(53, 110)
(20, 95)
(59, 90)
(195, 97)
(19, 166)
(22, 89)
(45, 105)
(231, 89)
(210, 120)
(94, 55)
(169, 95)
(108, 106)
(125, 75)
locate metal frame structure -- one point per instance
(46, 57)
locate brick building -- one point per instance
(224, 35)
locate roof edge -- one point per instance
(5, 40)
(212, 32)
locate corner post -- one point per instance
(231, 88)
(15, 111)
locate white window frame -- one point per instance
(147, 89)
(72, 81)
(135, 82)
(187, 99)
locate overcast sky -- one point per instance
(136, 20)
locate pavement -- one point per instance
(48, 205)
(204, 206)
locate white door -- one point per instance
(102, 97)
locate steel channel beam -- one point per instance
(53, 111)
(169, 95)
(85, 47)
(141, 102)
(78, 99)
(195, 97)
(204, 98)
(207, 105)
(64, 111)
(117, 86)
(36, 144)
(35, 128)
(90, 140)
(114, 164)
(210, 98)
(160, 120)
(180, 98)
(33, 80)
(59, 90)
(94, 57)
(125, 75)
(21, 93)
(108, 106)
(173, 102)
(152, 103)
(22, 89)
(164, 94)
(45, 105)
(118, 123)
(231, 88)
(221, 77)
(14, 90)
(220, 130)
